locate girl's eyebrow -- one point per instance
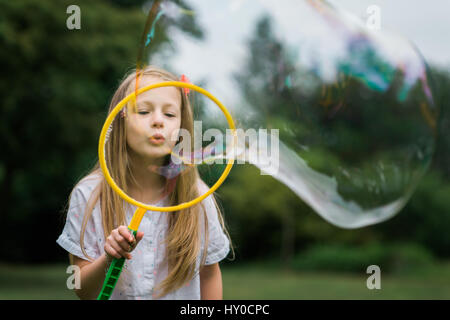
(147, 102)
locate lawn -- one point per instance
(258, 282)
(252, 281)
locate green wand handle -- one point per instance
(114, 271)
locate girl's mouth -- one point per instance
(157, 139)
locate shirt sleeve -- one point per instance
(70, 237)
(218, 242)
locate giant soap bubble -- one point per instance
(353, 107)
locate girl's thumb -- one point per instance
(139, 236)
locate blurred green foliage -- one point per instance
(56, 88)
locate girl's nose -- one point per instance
(157, 120)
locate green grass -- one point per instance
(34, 282)
(251, 281)
(256, 281)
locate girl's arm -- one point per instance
(118, 244)
(92, 276)
(211, 282)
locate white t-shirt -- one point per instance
(148, 267)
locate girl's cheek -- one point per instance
(138, 128)
(175, 136)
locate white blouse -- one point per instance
(148, 266)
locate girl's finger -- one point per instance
(124, 232)
(118, 247)
(121, 241)
(135, 242)
(139, 236)
(111, 251)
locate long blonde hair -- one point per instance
(183, 240)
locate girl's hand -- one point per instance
(121, 242)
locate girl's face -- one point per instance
(153, 130)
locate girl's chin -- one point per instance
(155, 154)
(152, 153)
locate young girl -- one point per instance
(175, 254)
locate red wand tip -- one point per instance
(186, 80)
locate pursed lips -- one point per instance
(157, 136)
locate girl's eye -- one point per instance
(146, 112)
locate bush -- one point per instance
(391, 258)
(406, 258)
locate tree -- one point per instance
(56, 88)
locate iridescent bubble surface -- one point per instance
(349, 113)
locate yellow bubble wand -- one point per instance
(116, 266)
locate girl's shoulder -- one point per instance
(202, 186)
(87, 185)
(209, 202)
